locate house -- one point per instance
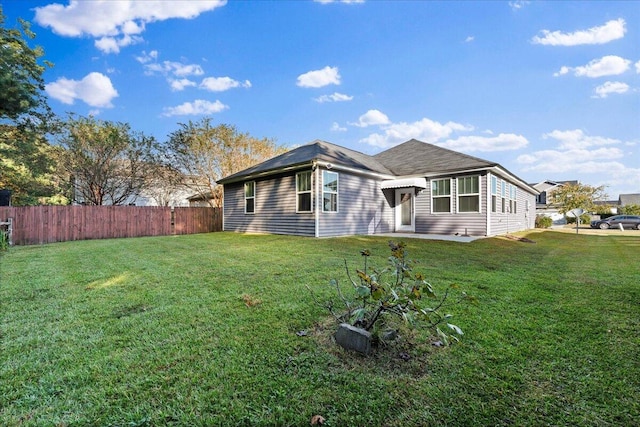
(544, 204)
(321, 189)
(629, 199)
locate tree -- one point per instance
(26, 158)
(27, 166)
(207, 153)
(105, 163)
(21, 82)
(574, 196)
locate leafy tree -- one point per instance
(574, 196)
(630, 210)
(105, 163)
(21, 82)
(207, 153)
(27, 166)
(26, 158)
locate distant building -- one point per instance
(544, 205)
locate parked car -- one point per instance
(627, 221)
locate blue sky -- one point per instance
(550, 90)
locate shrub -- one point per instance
(395, 293)
(630, 210)
(543, 221)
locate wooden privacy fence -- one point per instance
(32, 225)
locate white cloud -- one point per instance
(95, 89)
(335, 97)
(607, 88)
(501, 142)
(145, 57)
(578, 153)
(116, 23)
(609, 65)
(113, 44)
(180, 84)
(372, 118)
(638, 67)
(319, 78)
(576, 139)
(518, 4)
(335, 127)
(612, 30)
(469, 39)
(197, 107)
(220, 84)
(424, 130)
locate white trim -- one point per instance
(244, 190)
(310, 191)
(322, 190)
(450, 196)
(458, 194)
(316, 187)
(398, 210)
(404, 182)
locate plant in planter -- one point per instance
(382, 297)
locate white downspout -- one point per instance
(314, 202)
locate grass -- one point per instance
(201, 330)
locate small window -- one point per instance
(512, 199)
(329, 191)
(303, 192)
(494, 194)
(249, 197)
(503, 193)
(469, 194)
(441, 196)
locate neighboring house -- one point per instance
(629, 199)
(321, 189)
(544, 204)
(201, 200)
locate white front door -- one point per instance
(405, 213)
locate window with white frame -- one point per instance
(441, 195)
(303, 191)
(513, 208)
(329, 191)
(503, 193)
(250, 197)
(469, 194)
(494, 194)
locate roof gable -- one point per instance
(416, 157)
(307, 154)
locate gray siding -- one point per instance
(474, 224)
(362, 208)
(275, 208)
(503, 223)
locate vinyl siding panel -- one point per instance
(275, 208)
(362, 208)
(504, 223)
(474, 224)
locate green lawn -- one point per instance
(201, 331)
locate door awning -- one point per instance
(404, 182)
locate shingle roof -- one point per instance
(629, 199)
(416, 157)
(314, 151)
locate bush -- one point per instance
(543, 221)
(584, 219)
(382, 297)
(630, 210)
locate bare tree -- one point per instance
(207, 153)
(106, 163)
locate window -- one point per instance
(469, 194)
(494, 194)
(512, 199)
(503, 192)
(329, 191)
(249, 197)
(441, 195)
(303, 192)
